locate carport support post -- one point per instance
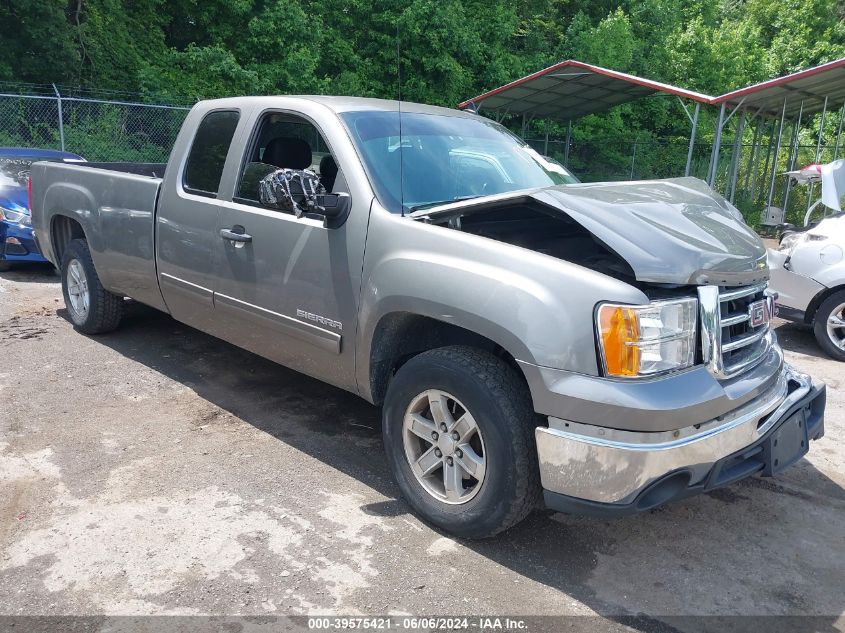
(524, 126)
(752, 159)
(634, 156)
(818, 152)
(61, 118)
(692, 138)
(546, 140)
(730, 188)
(764, 175)
(717, 146)
(793, 153)
(775, 157)
(838, 133)
(566, 149)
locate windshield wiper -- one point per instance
(428, 205)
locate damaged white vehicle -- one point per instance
(808, 268)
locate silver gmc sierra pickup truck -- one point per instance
(598, 348)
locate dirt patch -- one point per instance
(23, 328)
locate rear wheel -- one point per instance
(459, 433)
(829, 325)
(92, 308)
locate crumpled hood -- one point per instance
(676, 231)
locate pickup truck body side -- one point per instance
(495, 315)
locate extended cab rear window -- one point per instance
(208, 152)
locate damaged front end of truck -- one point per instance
(632, 438)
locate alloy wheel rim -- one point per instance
(77, 289)
(836, 326)
(444, 447)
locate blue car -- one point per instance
(17, 243)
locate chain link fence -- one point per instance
(96, 129)
(619, 159)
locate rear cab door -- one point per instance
(188, 208)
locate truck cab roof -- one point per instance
(338, 104)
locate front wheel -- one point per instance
(829, 325)
(459, 434)
(92, 308)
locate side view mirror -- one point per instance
(300, 192)
(333, 207)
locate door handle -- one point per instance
(235, 234)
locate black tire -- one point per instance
(105, 309)
(501, 405)
(825, 311)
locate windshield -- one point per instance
(445, 158)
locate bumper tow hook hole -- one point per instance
(777, 461)
(664, 491)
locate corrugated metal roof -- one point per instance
(572, 89)
(810, 86)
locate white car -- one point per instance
(808, 273)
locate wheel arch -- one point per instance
(820, 298)
(401, 335)
(63, 230)
(71, 212)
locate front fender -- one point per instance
(538, 308)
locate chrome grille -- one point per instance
(730, 343)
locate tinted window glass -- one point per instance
(208, 153)
(285, 140)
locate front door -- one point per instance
(285, 288)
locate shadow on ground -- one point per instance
(555, 550)
(799, 338)
(40, 273)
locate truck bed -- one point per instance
(154, 170)
(115, 204)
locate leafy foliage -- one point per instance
(449, 49)
(445, 51)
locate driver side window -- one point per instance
(285, 141)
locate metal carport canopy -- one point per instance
(572, 89)
(812, 87)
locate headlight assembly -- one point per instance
(791, 240)
(18, 217)
(646, 340)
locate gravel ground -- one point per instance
(157, 470)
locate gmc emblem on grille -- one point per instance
(758, 313)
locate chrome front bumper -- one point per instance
(608, 466)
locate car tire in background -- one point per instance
(92, 308)
(829, 325)
(458, 427)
